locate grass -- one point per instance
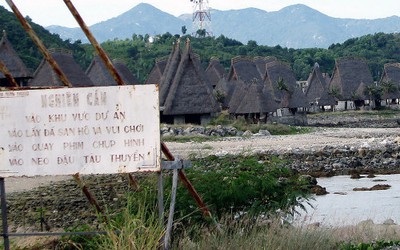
(382, 113)
(273, 234)
(136, 227)
(265, 235)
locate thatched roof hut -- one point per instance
(157, 71)
(100, 75)
(45, 76)
(256, 100)
(13, 63)
(215, 71)
(280, 81)
(350, 77)
(239, 91)
(190, 92)
(169, 72)
(224, 89)
(243, 68)
(316, 85)
(390, 81)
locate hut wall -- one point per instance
(205, 119)
(179, 119)
(314, 108)
(390, 103)
(345, 105)
(283, 112)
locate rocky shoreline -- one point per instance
(62, 204)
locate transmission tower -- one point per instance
(201, 18)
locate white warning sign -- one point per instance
(96, 130)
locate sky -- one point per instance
(55, 12)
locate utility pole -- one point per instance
(201, 18)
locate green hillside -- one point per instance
(139, 54)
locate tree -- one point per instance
(201, 33)
(184, 29)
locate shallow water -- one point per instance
(355, 206)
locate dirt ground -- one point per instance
(316, 140)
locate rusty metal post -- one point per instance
(89, 196)
(8, 75)
(95, 44)
(40, 45)
(133, 182)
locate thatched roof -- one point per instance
(348, 75)
(256, 100)
(280, 81)
(261, 63)
(100, 75)
(190, 91)
(390, 81)
(239, 92)
(225, 88)
(12, 61)
(327, 99)
(243, 68)
(169, 72)
(215, 71)
(316, 85)
(157, 71)
(45, 75)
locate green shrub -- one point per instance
(242, 185)
(377, 245)
(221, 119)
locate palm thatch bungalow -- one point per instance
(189, 98)
(238, 92)
(280, 81)
(157, 71)
(242, 72)
(215, 71)
(316, 88)
(390, 84)
(243, 68)
(223, 92)
(45, 76)
(100, 75)
(13, 63)
(351, 83)
(256, 104)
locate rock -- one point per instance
(340, 193)
(318, 190)
(264, 132)
(389, 222)
(247, 133)
(381, 187)
(374, 188)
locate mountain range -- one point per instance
(295, 26)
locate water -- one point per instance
(355, 206)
